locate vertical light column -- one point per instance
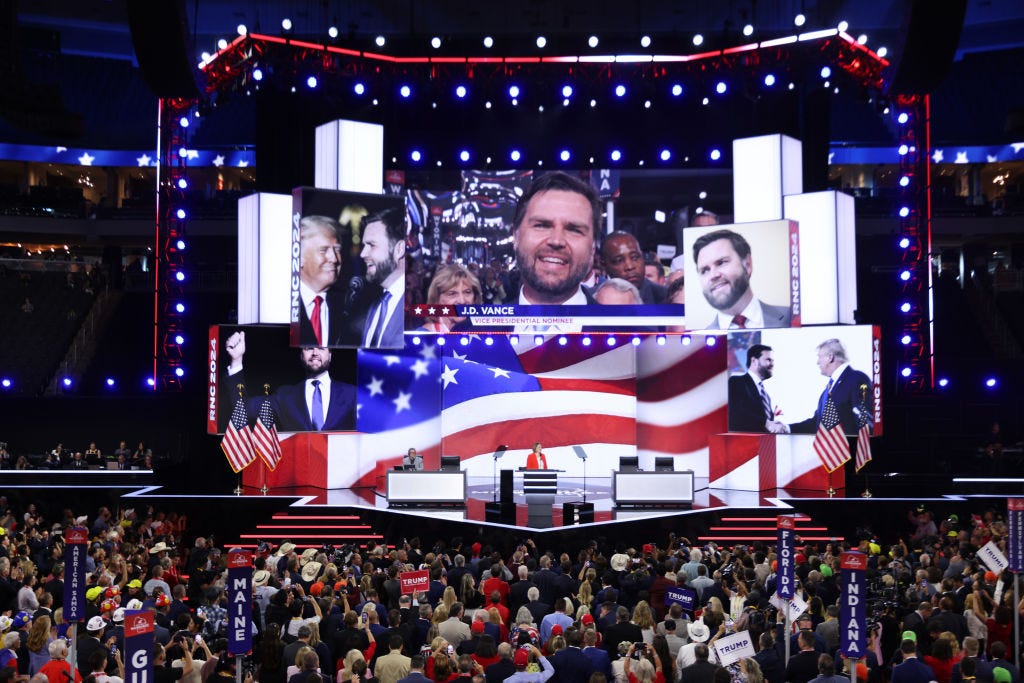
(828, 256)
(264, 241)
(350, 156)
(765, 169)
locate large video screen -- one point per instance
(786, 381)
(348, 269)
(524, 251)
(308, 389)
(744, 276)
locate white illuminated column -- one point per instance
(764, 170)
(350, 156)
(828, 256)
(264, 240)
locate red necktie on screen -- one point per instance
(315, 319)
(740, 321)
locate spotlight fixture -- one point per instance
(748, 30)
(799, 20)
(435, 43)
(943, 382)
(677, 90)
(616, 155)
(464, 155)
(826, 72)
(242, 30)
(566, 91)
(222, 44)
(721, 87)
(769, 80)
(541, 42)
(488, 42)
(311, 82)
(460, 91)
(513, 91)
(645, 41)
(416, 155)
(405, 91)
(882, 52)
(593, 41)
(515, 155)
(564, 155)
(332, 33)
(620, 90)
(286, 24)
(380, 41)
(698, 40)
(843, 26)
(715, 154)
(359, 88)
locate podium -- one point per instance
(540, 487)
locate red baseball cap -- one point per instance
(522, 657)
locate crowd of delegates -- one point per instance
(123, 457)
(490, 614)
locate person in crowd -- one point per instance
(452, 285)
(622, 258)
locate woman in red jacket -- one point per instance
(536, 459)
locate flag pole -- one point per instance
(263, 470)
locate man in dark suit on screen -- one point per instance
(849, 389)
(750, 408)
(322, 244)
(377, 307)
(319, 403)
(724, 265)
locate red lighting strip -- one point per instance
(322, 517)
(522, 60)
(383, 58)
(412, 60)
(739, 48)
(360, 527)
(318, 536)
(765, 538)
(448, 60)
(761, 528)
(799, 518)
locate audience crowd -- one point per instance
(492, 614)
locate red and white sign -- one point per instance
(855, 561)
(239, 558)
(414, 582)
(139, 624)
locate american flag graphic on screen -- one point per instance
(653, 399)
(264, 435)
(829, 442)
(515, 395)
(863, 437)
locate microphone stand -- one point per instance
(500, 451)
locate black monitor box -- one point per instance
(449, 463)
(664, 464)
(629, 463)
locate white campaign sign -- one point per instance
(733, 648)
(797, 605)
(993, 557)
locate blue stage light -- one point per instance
(826, 72)
(182, 183)
(359, 88)
(181, 214)
(905, 275)
(711, 340)
(616, 155)
(150, 381)
(586, 341)
(677, 90)
(440, 341)
(562, 341)
(904, 242)
(904, 181)
(257, 74)
(179, 307)
(488, 341)
(180, 372)
(566, 91)
(180, 244)
(464, 341)
(620, 90)
(905, 372)
(904, 211)
(460, 91)
(515, 155)
(111, 382)
(183, 122)
(311, 82)
(564, 155)
(661, 340)
(666, 155)
(405, 91)
(903, 118)
(686, 340)
(538, 340)
(179, 276)
(635, 341)
(67, 381)
(905, 307)
(903, 150)
(611, 341)
(905, 340)
(715, 154)
(415, 155)
(991, 382)
(769, 80)
(464, 155)
(513, 91)
(721, 88)
(943, 382)
(6, 383)
(514, 340)
(179, 340)
(415, 341)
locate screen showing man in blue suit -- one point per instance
(724, 265)
(849, 389)
(384, 299)
(318, 403)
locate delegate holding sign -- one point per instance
(240, 602)
(77, 544)
(784, 582)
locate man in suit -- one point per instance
(724, 265)
(623, 630)
(750, 408)
(517, 594)
(850, 390)
(380, 303)
(319, 403)
(911, 669)
(998, 651)
(554, 231)
(598, 656)
(321, 245)
(701, 671)
(622, 258)
(503, 668)
(571, 665)
(394, 665)
(454, 630)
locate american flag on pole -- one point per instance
(264, 436)
(829, 442)
(237, 441)
(863, 431)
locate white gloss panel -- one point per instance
(764, 170)
(828, 255)
(656, 488)
(350, 156)
(264, 240)
(426, 487)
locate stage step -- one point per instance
(763, 529)
(310, 531)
